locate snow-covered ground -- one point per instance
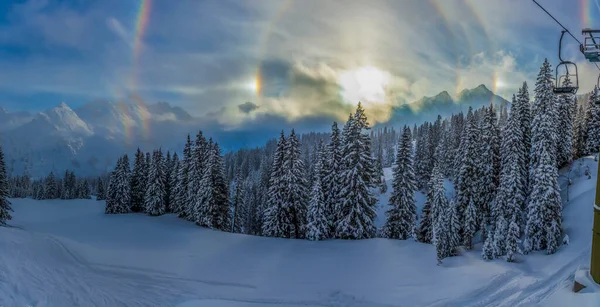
(69, 253)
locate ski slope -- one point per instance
(69, 253)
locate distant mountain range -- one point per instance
(428, 108)
(90, 138)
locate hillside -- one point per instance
(71, 254)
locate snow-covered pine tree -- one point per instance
(317, 225)
(512, 240)
(155, 192)
(488, 164)
(213, 211)
(565, 126)
(167, 165)
(138, 182)
(402, 215)
(274, 217)
(441, 217)
(357, 211)
(239, 205)
(50, 187)
(487, 253)
(544, 205)
(5, 205)
(295, 199)
(183, 180)
(84, 190)
(100, 190)
(499, 243)
(467, 174)
(379, 176)
(118, 193)
(510, 199)
(123, 185)
(175, 186)
(453, 228)
(331, 182)
(592, 123)
(470, 224)
(579, 133)
(200, 154)
(425, 232)
(524, 116)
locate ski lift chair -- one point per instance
(591, 45)
(562, 72)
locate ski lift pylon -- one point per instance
(562, 72)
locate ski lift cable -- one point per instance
(560, 24)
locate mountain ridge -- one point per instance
(90, 138)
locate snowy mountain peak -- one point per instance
(63, 119)
(443, 97)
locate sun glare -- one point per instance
(253, 85)
(499, 84)
(366, 84)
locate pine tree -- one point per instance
(317, 225)
(565, 126)
(440, 213)
(512, 190)
(524, 116)
(488, 165)
(295, 199)
(100, 191)
(5, 205)
(84, 190)
(118, 194)
(579, 142)
(213, 211)
(487, 252)
(274, 215)
(50, 187)
(357, 212)
(467, 173)
(425, 232)
(544, 205)
(138, 182)
(174, 177)
(183, 180)
(499, 244)
(200, 154)
(469, 224)
(239, 204)
(453, 228)
(379, 178)
(553, 234)
(331, 182)
(167, 165)
(155, 192)
(592, 124)
(512, 240)
(401, 217)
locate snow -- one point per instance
(69, 253)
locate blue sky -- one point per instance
(309, 55)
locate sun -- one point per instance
(500, 83)
(367, 84)
(253, 85)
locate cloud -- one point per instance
(201, 55)
(247, 107)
